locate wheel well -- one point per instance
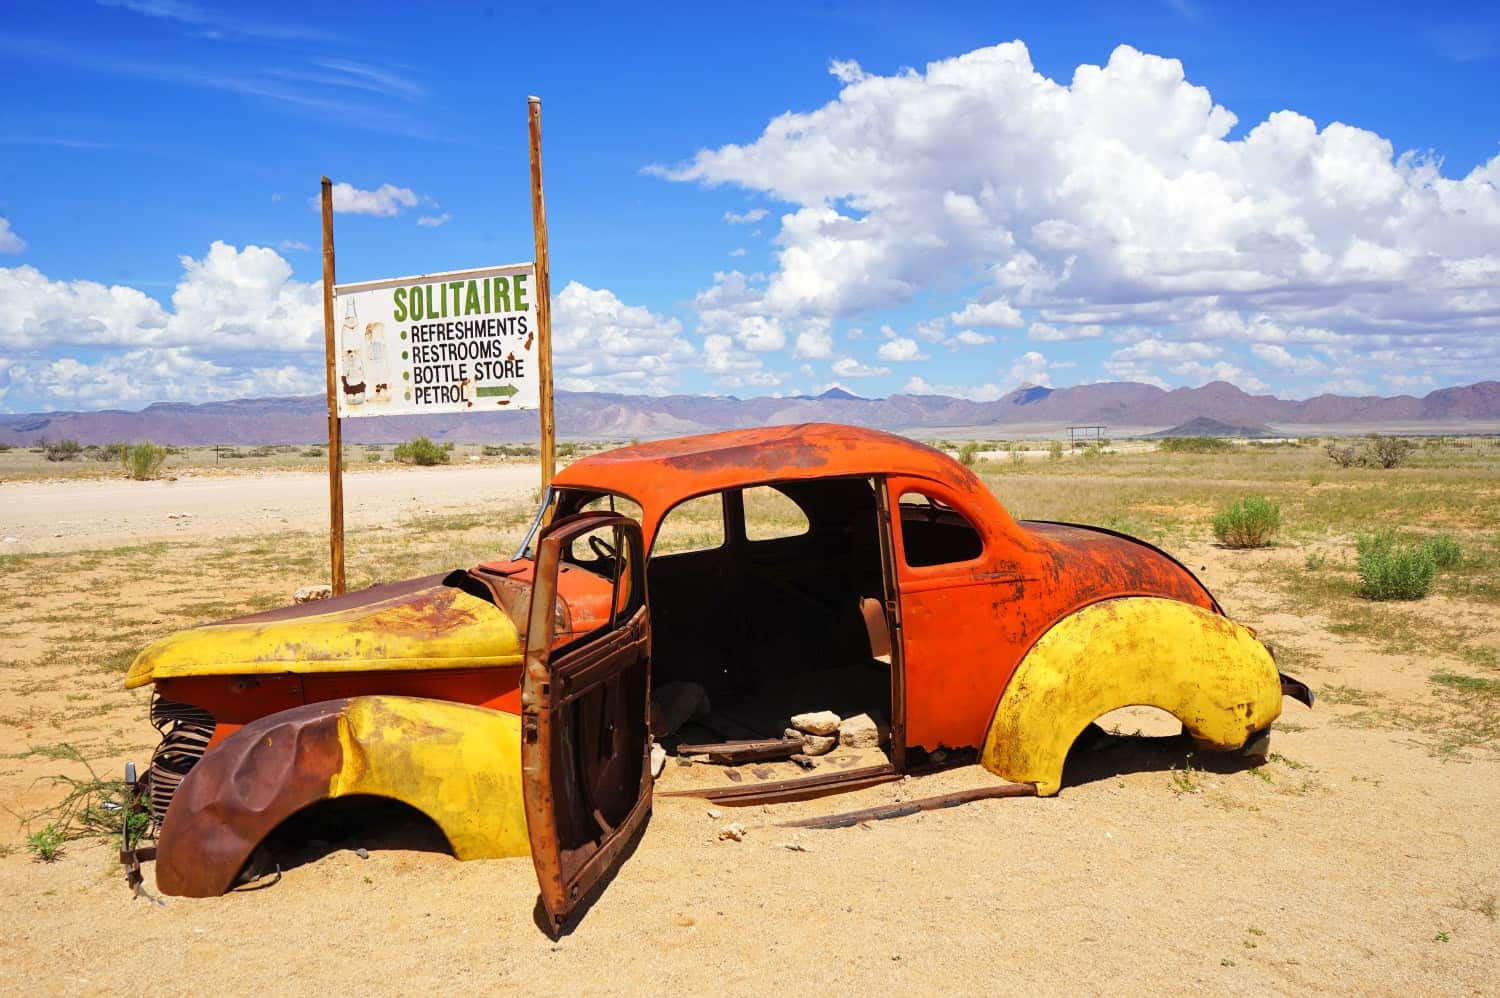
(328, 826)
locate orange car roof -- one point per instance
(662, 473)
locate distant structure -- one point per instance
(1082, 436)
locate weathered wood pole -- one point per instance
(543, 294)
(335, 436)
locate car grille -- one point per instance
(185, 734)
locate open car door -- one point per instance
(585, 703)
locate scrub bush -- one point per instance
(1055, 451)
(143, 461)
(1249, 523)
(420, 450)
(968, 454)
(46, 845)
(63, 450)
(1444, 550)
(1392, 571)
(1387, 452)
(1195, 445)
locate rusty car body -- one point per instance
(509, 703)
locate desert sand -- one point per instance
(1358, 860)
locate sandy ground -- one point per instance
(65, 515)
(1358, 861)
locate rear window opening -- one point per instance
(933, 533)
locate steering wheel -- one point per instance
(601, 548)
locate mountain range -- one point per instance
(609, 416)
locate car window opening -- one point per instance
(933, 533)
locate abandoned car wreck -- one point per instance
(743, 577)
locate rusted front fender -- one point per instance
(458, 765)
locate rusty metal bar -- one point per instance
(802, 788)
(901, 810)
(754, 750)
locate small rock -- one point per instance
(938, 756)
(306, 594)
(818, 744)
(805, 761)
(819, 722)
(793, 846)
(734, 831)
(733, 775)
(715, 814)
(859, 731)
(362, 852)
(12, 540)
(658, 760)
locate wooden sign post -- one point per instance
(335, 436)
(543, 294)
(459, 341)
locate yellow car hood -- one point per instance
(417, 624)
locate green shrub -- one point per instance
(1387, 452)
(1249, 523)
(968, 454)
(1444, 550)
(110, 453)
(312, 452)
(1389, 570)
(1342, 455)
(372, 457)
(4, 448)
(47, 844)
(1055, 451)
(63, 450)
(1092, 452)
(1194, 445)
(143, 461)
(420, 450)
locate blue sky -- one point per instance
(1292, 199)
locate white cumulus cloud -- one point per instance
(849, 367)
(901, 349)
(600, 343)
(992, 314)
(9, 241)
(1122, 196)
(385, 201)
(745, 218)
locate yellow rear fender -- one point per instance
(1202, 668)
(457, 764)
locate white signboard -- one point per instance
(458, 342)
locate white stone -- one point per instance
(819, 722)
(306, 594)
(658, 760)
(818, 744)
(734, 831)
(859, 731)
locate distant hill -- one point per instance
(1203, 426)
(610, 416)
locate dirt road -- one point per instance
(72, 515)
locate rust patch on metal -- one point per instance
(240, 791)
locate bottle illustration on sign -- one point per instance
(377, 369)
(352, 346)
